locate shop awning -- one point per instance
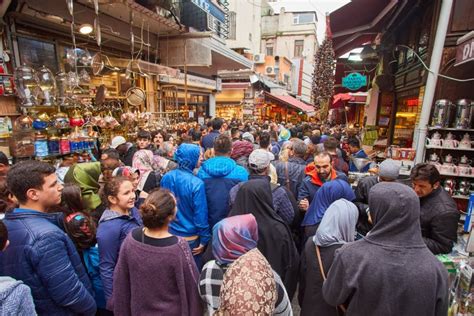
(359, 22)
(235, 85)
(355, 98)
(290, 101)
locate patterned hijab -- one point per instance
(143, 161)
(234, 236)
(248, 287)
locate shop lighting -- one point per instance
(405, 114)
(85, 29)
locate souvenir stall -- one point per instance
(67, 109)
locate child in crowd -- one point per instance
(71, 199)
(82, 231)
(156, 273)
(15, 296)
(143, 140)
(119, 218)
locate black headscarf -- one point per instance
(274, 236)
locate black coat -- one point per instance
(274, 236)
(439, 221)
(310, 295)
(362, 202)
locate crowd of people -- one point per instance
(225, 218)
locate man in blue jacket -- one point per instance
(191, 218)
(208, 140)
(220, 174)
(40, 253)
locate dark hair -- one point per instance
(217, 123)
(323, 154)
(3, 235)
(234, 131)
(425, 172)
(222, 145)
(4, 159)
(5, 202)
(331, 143)
(142, 134)
(111, 153)
(161, 132)
(264, 139)
(158, 206)
(111, 188)
(81, 229)
(71, 199)
(27, 175)
(196, 135)
(354, 142)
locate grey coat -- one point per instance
(390, 271)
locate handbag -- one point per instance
(321, 268)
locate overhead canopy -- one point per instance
(291, 102)
(359, 22)
(356, 98)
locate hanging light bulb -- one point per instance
(85, 29)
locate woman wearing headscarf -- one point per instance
(390, 271)
(248, 287)
(337, 228)
(275, 241)
(143, 162)
(241, 150)
(232, 238)
(328, 193)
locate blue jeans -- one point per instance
(194, 244)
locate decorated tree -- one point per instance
(323, 76)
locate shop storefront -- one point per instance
(230, 101)
(284, 108)
(175, 104)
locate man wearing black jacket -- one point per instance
(439, 215)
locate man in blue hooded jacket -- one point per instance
(191, 221)
(220, 174)
(40, 253)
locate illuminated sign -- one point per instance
(354, 81)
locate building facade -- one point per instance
(245, 25)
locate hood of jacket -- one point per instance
(110, 215)
(310, 170)
(7, 286)
(187, 156)
(218, 167)
(395, 212)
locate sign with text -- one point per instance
(465, 49)
(354, 81)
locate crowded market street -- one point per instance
(237, 157)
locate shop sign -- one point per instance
(193, 81)
(354, 81)
(465, 49)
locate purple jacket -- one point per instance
(164, 280)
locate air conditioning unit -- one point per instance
(269, 70)
(259, 58)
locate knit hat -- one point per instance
(248, 137)
(259, 159)
(284, 134)
(389, 169)
(117, 141)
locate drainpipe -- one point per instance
(435, 61)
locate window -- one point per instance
(303, 18)
(232, 25)
(250, 36)
(298, 48)
(36, 53)
(269, 51)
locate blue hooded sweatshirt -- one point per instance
(191, 217)
(220, 174)
(328, 193)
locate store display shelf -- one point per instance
(449, 148)
(461, 197)
(432, 128)
(457, 175)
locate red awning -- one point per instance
(340, 99)
(359, 22)
(290, 101)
